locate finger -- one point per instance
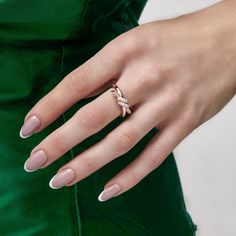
(94, 73)
(117, 142)
(85, 122)
(151, 157)
(100, 90)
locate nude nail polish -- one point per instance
(35, 161)
(29, 126)
(62, 178)
(109, 192)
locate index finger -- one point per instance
(79, 83)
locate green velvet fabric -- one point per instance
(40, 43)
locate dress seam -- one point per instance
(78, 27)
(78, 230)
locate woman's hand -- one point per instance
(176, 74)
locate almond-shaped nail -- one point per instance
(62, 178)
(109, 192)
(35, 161)
(29, 126)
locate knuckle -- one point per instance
(151, 82)
(92, 117)
(189, 115)
(129, 43)
(79, 82)
(48, 104)
(153, 77)
(134, 177)
(125, 140)
(165, 70)
(191, 118)
(87, 166)
(176, 96)
(188, 121)
(156, 160)
(148, 77)
(57, 143)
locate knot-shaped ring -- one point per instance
(123, 102)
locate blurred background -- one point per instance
(207, 157)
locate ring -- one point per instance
(123, 102)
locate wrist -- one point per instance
(217, 21)
(217, 24)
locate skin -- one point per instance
(179, 72)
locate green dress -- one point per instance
(40, 43)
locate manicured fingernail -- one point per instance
(109, 192)
(29, 126)
(36, 160)
(62, 178)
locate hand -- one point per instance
(176, 74)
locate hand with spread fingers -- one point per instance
(172, 74)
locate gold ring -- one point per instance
(123, 102)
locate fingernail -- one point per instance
(109, 192)
(29, 126)
(36, 160)
(62, 178)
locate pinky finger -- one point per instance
(161, 145)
